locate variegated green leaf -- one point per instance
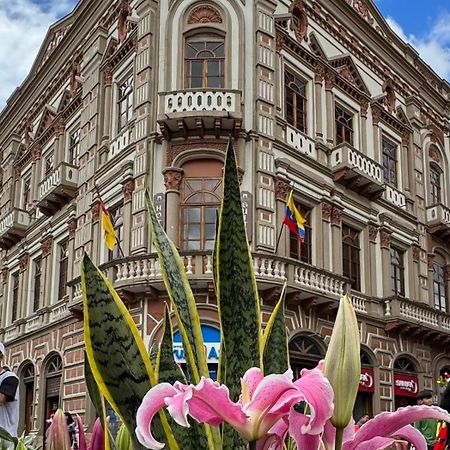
(237, 294)
(94, 392)
(275, 340)
(117, 356)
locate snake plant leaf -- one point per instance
(275, 340)
(237, 293)
(7, 437)
(169, 372)
(181, 296)
(116, 353)
(93, 390)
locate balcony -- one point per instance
(408, 316)
(13, 227)
(58, 188)
(438, 220)
(357, 171)
(198, 113)
(300, 142)
(394, 196)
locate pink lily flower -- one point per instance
(264, 402)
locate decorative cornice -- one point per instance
(385, 238)
(23, 262)
(336, 216)
(173, 178)
(281, 189)
(416, 253)
(327, 209)
(128, 189)
(46, 246)
(373, 233)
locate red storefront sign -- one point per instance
(367, 381)
(405, 385)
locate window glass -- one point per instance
(397, 272)
(389, 162)
(125, 103)
(350, 256)
(439, 287)
(298, 249)
(295, 99)
(435, 185)
(344, 126)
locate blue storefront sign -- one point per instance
(211, 339)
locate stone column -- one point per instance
(107, 82)
(72, 227)
(172, 181)
(35, 173)
(372, 269)
(336, 239)
(128, 186)
(324, 256)
(364, 105)
(318, 83)
(406, 160)
(385, 244)
(6, 290)
(23, 286)
(329, 84)
(58, 153)
(281, 193)
(376, 115)
(414, 274)
(17, 186)
(47, 270)
(430, 264)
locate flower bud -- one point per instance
(342, 364)
(58, 434)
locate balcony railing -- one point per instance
(13, 227)
(200, 112)
(57, 188)
(394, 196)
(301, 142)
(357, 171)
(438, 220)
(122, 141)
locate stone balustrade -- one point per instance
(301, 142)
(65, 175)
(123, 140)
(394, 196)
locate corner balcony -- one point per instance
(58, 188)
(418, 318)
(357, 171)
(394, 196)
(187, 113)
(13, 227)
(438, 220)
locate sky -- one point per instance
(425, 24)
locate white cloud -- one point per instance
(23, 26)
(433, 47)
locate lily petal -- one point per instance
(270, 442)
(153, 401)
(249, 383)
(389, 423)
(329, 434)
(304, 441)
(413, 436)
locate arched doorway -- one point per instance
(364, 399)
(53, 375)
(26, 397)
(443, 379)
(406, 383)
(305, 352)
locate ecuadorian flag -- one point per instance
(293, 219)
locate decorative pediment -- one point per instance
(315, 46)
(401, 114)
(64, 102)
(204, 14)
(111, 48)
(47, 118)
(347, 69)
(21, 152)
(369, 12)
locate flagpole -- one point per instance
(279, 238)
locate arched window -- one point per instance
(27, 396)
(435, 185)
(304, 352)
(350, 256)
(53, 375)
(295, 97)
(439, 283)
(205, 62)
(405, 365)
(344, 126)
(201, 191)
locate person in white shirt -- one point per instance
(9, 397)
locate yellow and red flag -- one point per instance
(108, 227)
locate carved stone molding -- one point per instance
(75, 72)
(389, 100)
(173, 150)
(72, 227)
(327, 209)
(60, 128)
(17, 172)
(336, 216)
(107, 76)
(205, 14)
(406, 138)
(124, 12)
(128, 189)
(329, 80)
(279, 41)
(281, 189)
(23, 262)
(430, 260)
(95, 211)
(36, 154)
(373, 233)
(376, 115)
(364, 104)
(46, 246)
(416, 253)
(385, 238)
(362, 9)
(319, 73)
(299, 20)
(4, 276)
(173, 178)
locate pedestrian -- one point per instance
(365, 418)
(442, 434)
(427, 427)
(71, 426)
(9, 397)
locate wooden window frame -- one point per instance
(299, 101)
(63, 268)
(26, 192)
(298, 250)
(15, 281)
(189, 60)
(440, 298)
(49, 163)
(435, 185)
(343, 120)
(397, 258)
(74, 146)
(390, 162)
(125, 102)
(37, 277)
(351, 265)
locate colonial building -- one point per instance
(319, 96)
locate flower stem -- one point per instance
(339, 437)
(252, 445)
